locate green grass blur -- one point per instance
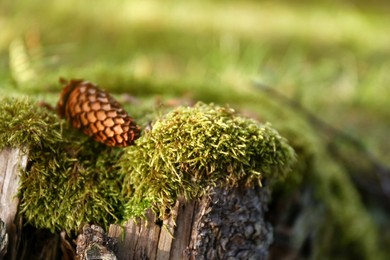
(332, 57)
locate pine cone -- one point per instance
(97, 114)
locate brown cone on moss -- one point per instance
(97, 114)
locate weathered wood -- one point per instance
(11, 161)
(165, 239)
(136, 239)
(145, 239)
(125, 243)
(184, 221)
(227, 224)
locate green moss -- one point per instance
(192, 148)
(70, 179)
(23, 123)
(69, 185)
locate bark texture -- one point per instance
(227, 224)
(93, 243)
(230, 225)
(3, 239)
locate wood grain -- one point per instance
(11, 161)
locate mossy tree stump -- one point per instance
(200, 172)
(226, 223)
(191, 188)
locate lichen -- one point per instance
(193, 148)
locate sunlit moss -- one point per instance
(70, 180)
(192, 148)
(23, 123)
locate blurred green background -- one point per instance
(333, 57)
(330, 57)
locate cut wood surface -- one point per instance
(11, 160)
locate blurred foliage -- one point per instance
(331, 57)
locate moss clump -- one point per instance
(192, 148)
(23, 123)
(71, 184)
(70, 179)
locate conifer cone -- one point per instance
(96, 114)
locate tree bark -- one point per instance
(227, 224)
(3, 239)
